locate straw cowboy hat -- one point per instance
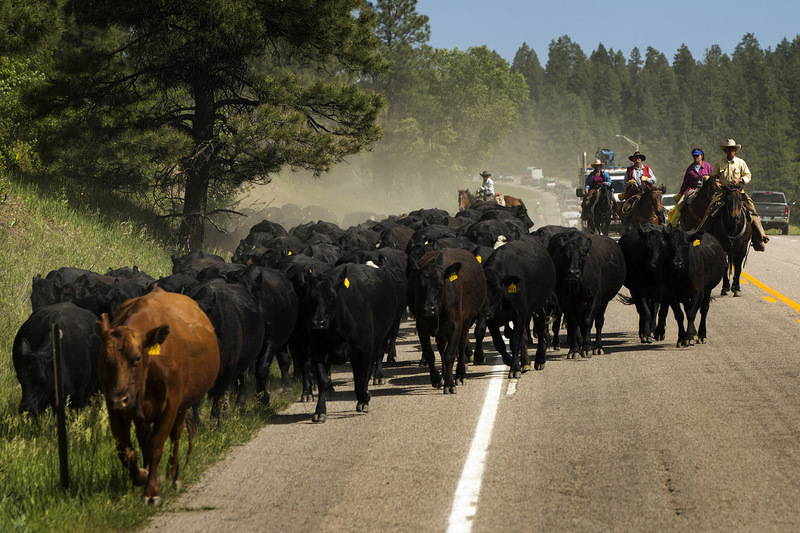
(597, 163)
(637, 154)
(730, 144)
(484, 174)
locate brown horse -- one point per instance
(466, 200)
(645, 209)
(693, 214)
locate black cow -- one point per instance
(349, 311)
(446, 290)
(47, 291)
(590, 271)
(644, 250)
(240, 334)
(278, 306)
(495, 232)
(520, 277)
(193, 262)
(693, 265)
(32, 354)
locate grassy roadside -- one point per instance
(39, 233)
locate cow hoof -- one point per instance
(362, 407)
(178, 485)
(737, 293)
(659, 336)
(306, 398)
(598, 351)
(514, 374)
(155, 500)
(450, 390)
(319, 418)
(379, 381)
(526, 368)
(461, 381)
(701, 340)
(538, 366)
(556, 348)
(723, 292)
(479, 360)
(649, 340)
(586, 354)
(642, 339)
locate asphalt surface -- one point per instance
(643, 438)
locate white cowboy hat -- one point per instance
(730, 144)
(597, 163)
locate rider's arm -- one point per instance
(745, 171)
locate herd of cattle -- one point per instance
(319, 295)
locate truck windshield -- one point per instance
(769, 198)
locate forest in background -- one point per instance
(181, 105)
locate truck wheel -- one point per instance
(785, 230)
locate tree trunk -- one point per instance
(199, 168)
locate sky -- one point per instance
(503, 25)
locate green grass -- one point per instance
(40, 232)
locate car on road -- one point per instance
(549, 183)
(773, 209)
(508, 178)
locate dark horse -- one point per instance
(693, 214)
(597, 216)
(730, 224)
(466, 200)
(646, 209)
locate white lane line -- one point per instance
(512, 387)
(465, 503)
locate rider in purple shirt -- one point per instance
(696, 172)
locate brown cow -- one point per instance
(157, 359)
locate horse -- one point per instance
(598, 215)
(730, 224)
(646, 209)
(692, 214)
(466, 200)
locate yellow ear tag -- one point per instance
(346, 283)
(154, 350)
(453, 277)
(512, 289)
(478, 258)
(696, 243)
(290, 253)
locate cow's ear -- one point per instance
(695, 235)
(102, 325)
(25, 347)
(453, 269)
(156, 336)
(342, 278)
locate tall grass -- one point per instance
(40, 232)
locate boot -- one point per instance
(759, 238)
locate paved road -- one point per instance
(644, 438)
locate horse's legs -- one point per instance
(726, 281)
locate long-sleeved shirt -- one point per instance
(488, 186)
(593, 179)
(730, 171)
(693, 177)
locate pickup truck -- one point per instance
(773, 209)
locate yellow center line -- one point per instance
(776, 294)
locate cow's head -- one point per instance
(654, 244)
(321, 298)
(500, 287)
(34, 371)
(431, 281)
(125, 354)
(569, 251)
(679, 244)
(521, 212)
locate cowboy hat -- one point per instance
(484, 174)
(597, 163)
(637, 154)
(730, 144)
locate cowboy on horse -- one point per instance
(594, 181)
(640, 178)
(732, 172)
(486, 191)
(697, 173)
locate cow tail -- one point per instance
(627, 300)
